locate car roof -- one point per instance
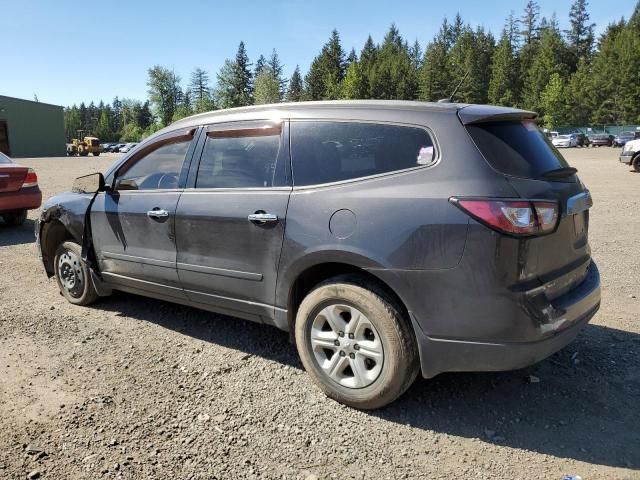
(341, 108)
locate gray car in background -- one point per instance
(388, 237)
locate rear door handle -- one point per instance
(157, 213)
(261, 217)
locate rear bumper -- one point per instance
(626, 157)
(24, 199)
(567, 315)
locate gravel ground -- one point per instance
(136, 388)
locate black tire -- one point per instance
(400, 353)
(83, 291)
(95, 154)
(635, 163)
(15, 219)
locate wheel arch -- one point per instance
(317, 273)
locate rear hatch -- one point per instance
(517, 149)
(11, 177)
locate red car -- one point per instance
(19, 191)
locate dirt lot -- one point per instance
(136, 388)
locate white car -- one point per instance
(128, 147)
(631, 154)
(564, 141)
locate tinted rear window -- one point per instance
(4, 158)
(324, 152)
(518, 149)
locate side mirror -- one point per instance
(91, 183)
(127, 184)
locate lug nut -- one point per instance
(352, 355)
(351, 336)
(342, 354)
(336, 343)
(341, 334)
(356, 347)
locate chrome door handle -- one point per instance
(157, 213)
(262, 217)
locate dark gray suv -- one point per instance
(388, 237)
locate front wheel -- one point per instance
(636, 163)
(73, 276)
(355, 343)
(95, 154)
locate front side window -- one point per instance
(243, 158)
(324, 152)
(159, 169)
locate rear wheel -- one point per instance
(636, 163)
(95, 154)
(73, 276)
(15, 218)
(355, 344)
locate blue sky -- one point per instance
(66, 52)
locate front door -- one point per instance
(133, 224)
(230, 221)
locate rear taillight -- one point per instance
(513, 217)
(31, 179)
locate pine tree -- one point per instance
(72, 122)
(435, 80)
(580, 35)
(529, 22)
(326, 71)
(276, 69)
(551, 57)
(267, 88)
(296, 89)
(470, 63)
(260, 64)
(235, 86)
(552, 100)
(199, 85)
(503, 85)
(355, 85)
(393, 74)
(103, 129)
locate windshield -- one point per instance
(518, 149)
(563, 137)
(4, 159)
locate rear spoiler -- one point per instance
(486, 113)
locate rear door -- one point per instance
(230, 222)
(133, 224)
(537, 170)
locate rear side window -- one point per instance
(518, 149)
(243, 158)
(324, 152)
(4, 158)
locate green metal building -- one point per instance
(31, 129)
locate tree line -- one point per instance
(568, 76)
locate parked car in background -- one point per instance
(108, 147)
(116, 147)
(388, 237)
(622, 138)
(601, 139)
(128, 147)
(630, 154)
(564, 141)
(19, 191)
(581, 139)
